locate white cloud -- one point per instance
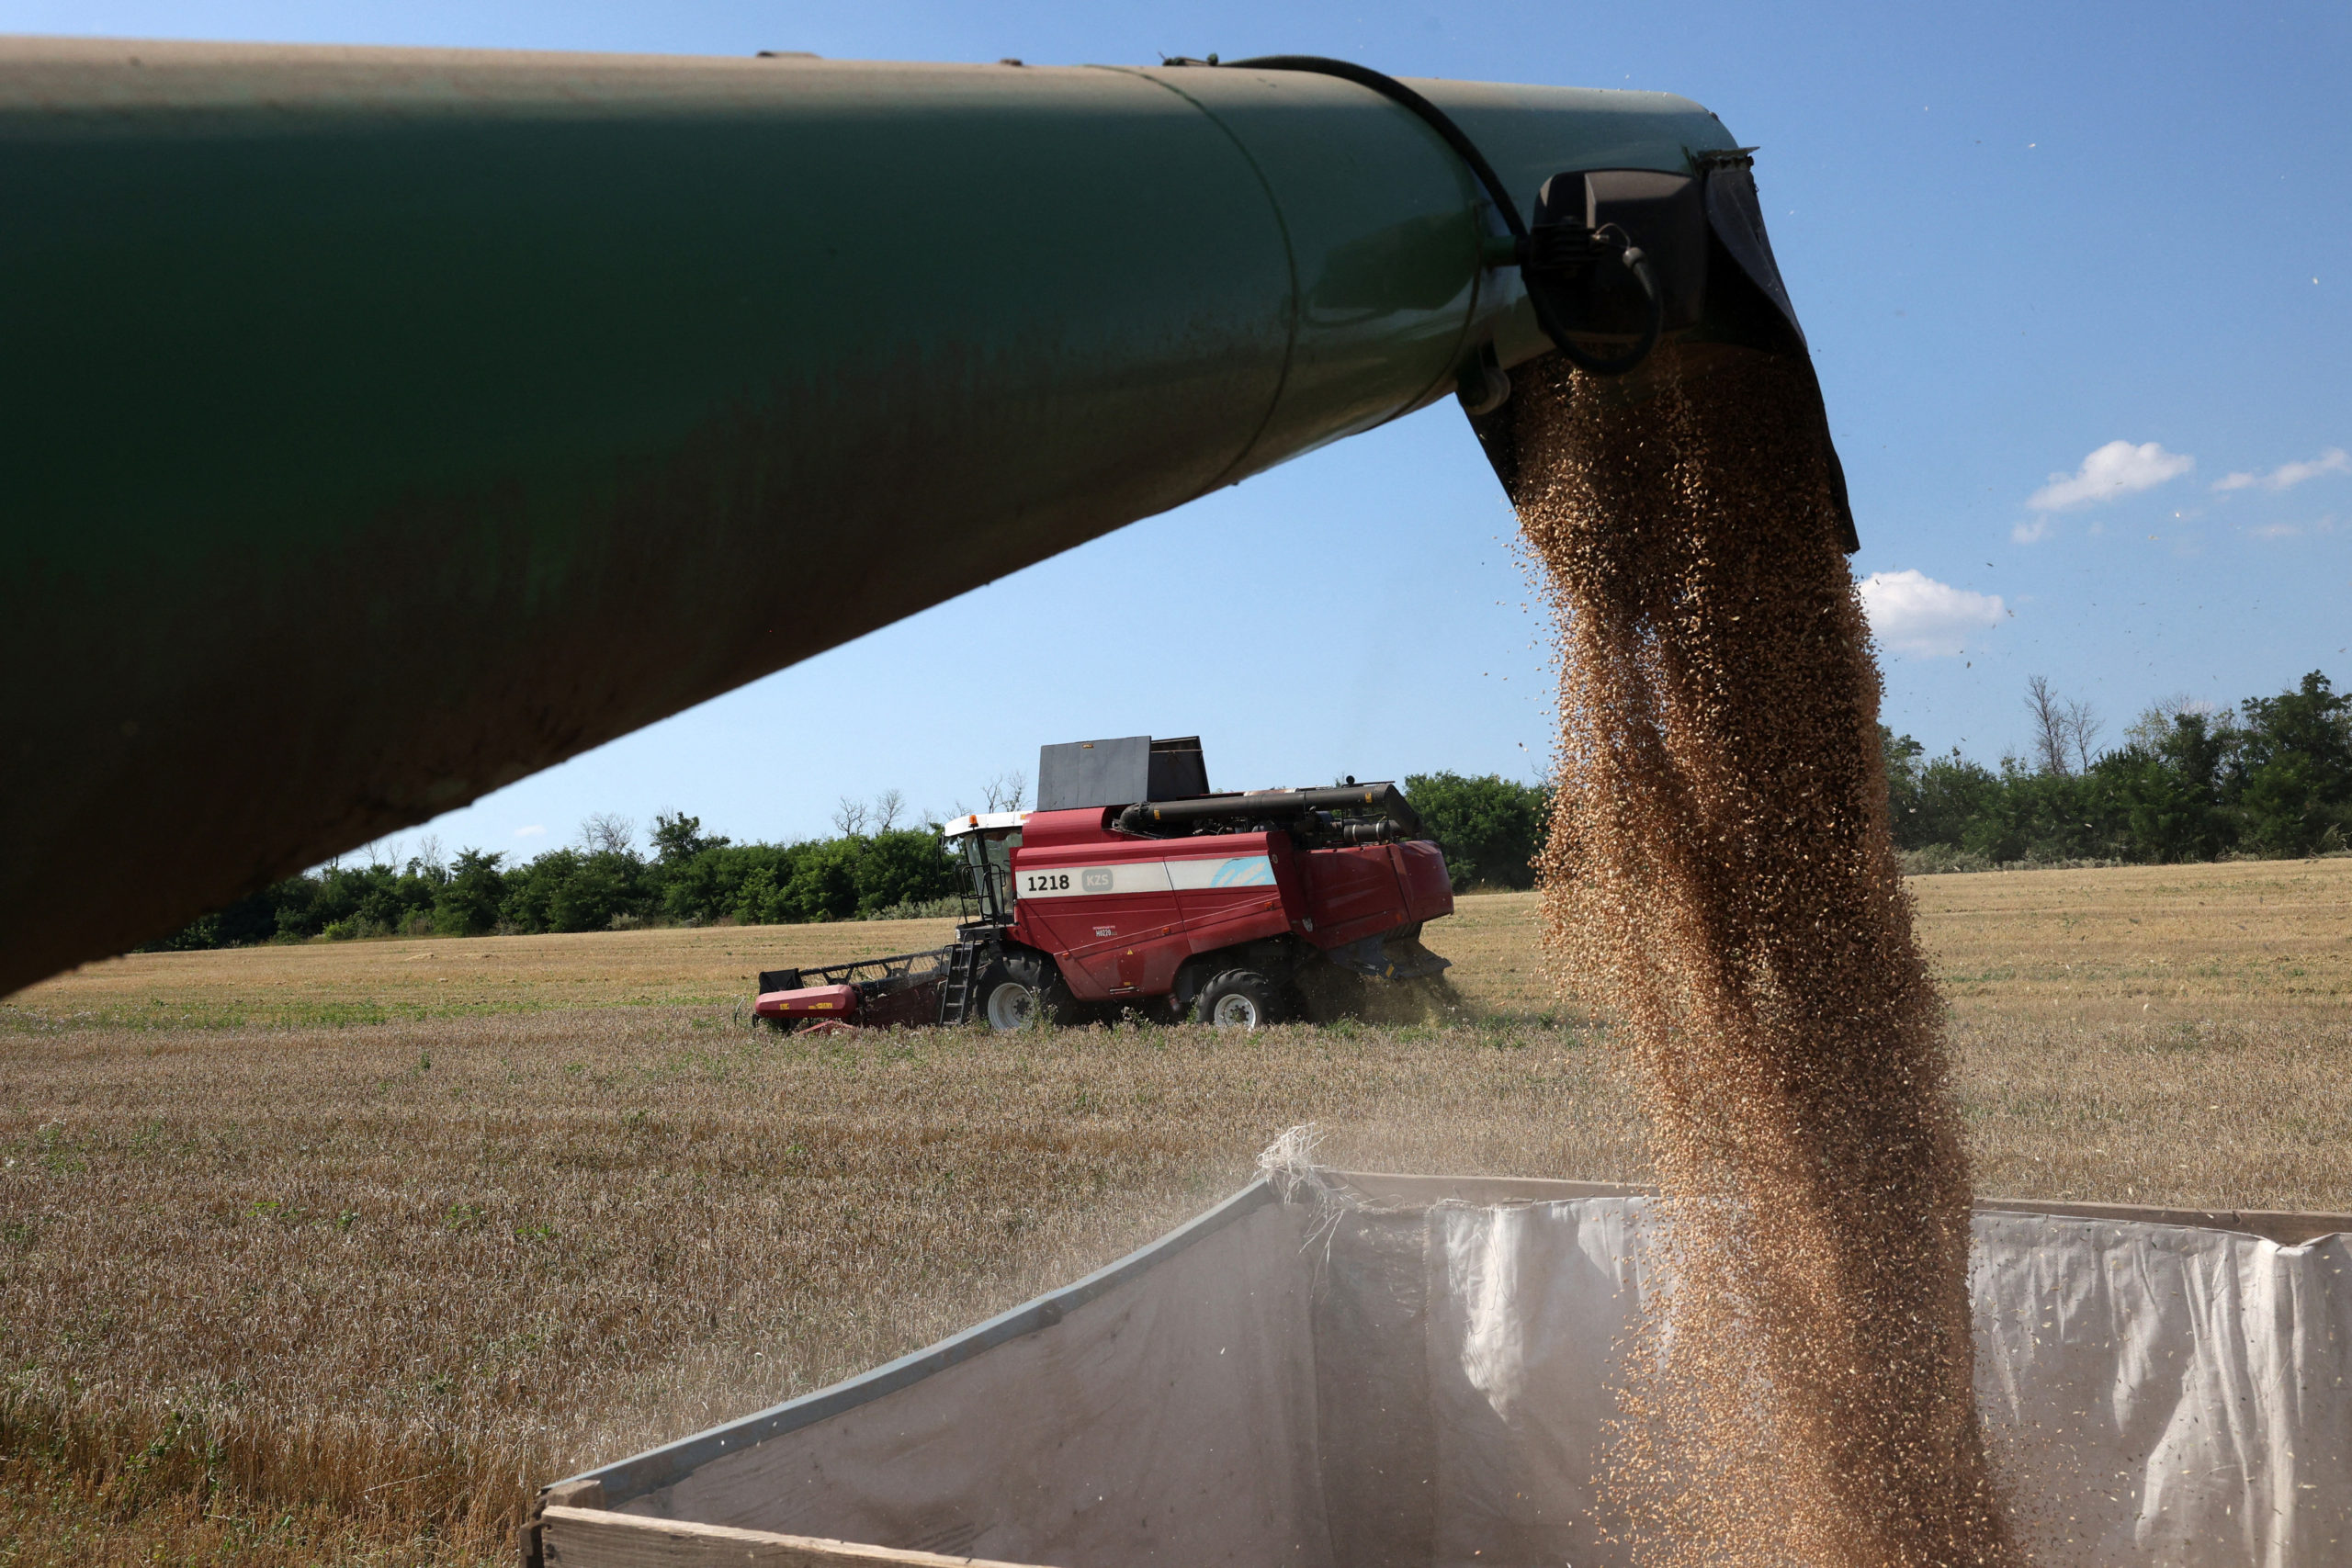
(2117, 468)
(1912, 613)
(2295, 530)
(535, 830)
(2031, 532)
(2287, 476)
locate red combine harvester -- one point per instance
(1133, 886)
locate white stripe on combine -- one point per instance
(1242, 871)
(1190, 876)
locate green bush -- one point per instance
(468, 903)
(1935, 859)
(2273, 780)
(1490, 827)
(901, 867)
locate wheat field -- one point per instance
(335, 1252)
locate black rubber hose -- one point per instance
(1396, 92)
(1455, 136)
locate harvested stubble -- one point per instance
(378, 980)
(2217, 1113)
(2239, 940)
(1720, 878)
(206, 1362)
(279, 1296)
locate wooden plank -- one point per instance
(592, 1538)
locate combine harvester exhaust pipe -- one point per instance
(388, 424)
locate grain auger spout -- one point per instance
(388, 424)
(1612, 264)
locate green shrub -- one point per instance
(1490, 828)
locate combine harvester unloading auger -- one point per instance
(1133, 887)
(388, 424)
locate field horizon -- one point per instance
(339, 1250)
(2114, 942)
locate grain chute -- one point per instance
(388, 424)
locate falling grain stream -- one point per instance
(1720, 878)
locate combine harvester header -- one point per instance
(388, 424)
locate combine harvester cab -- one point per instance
(1134, 885)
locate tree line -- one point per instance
(871, 867)
(603, 883)
(2189, 782)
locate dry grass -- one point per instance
(1491, 938)
(2248, 939)
(2216, 1114)
(375, 982)
(2152, 1033)
(278, 1284)
(276, 1295)
(2243, 940)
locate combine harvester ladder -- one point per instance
(955, 996)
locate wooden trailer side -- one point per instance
(597, 1537)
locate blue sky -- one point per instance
(2076, 281)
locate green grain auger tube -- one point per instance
(384, 425)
